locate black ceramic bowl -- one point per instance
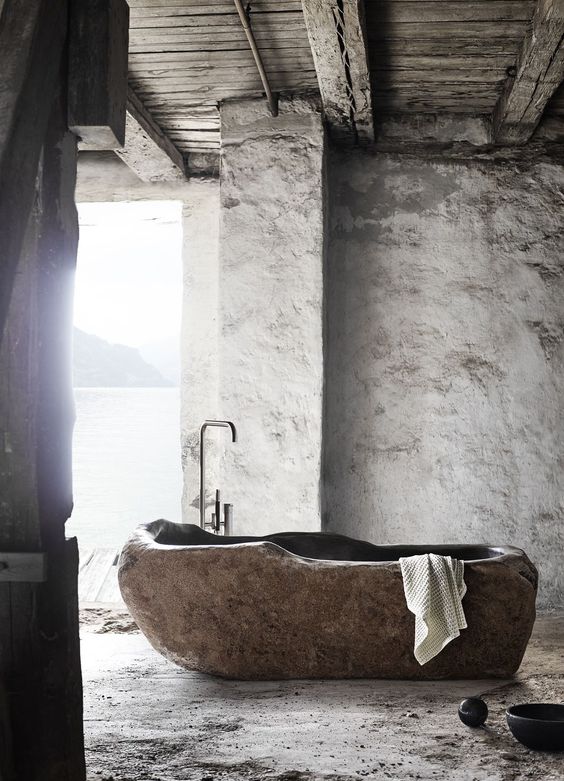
(538, 725)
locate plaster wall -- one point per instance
(445, 354)
(271, 304)
(200, 346)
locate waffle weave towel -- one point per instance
(434, 587)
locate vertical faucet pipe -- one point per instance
(270, 97)
(207, 424)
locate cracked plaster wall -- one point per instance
(445, 355)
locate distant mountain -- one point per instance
(99, 364)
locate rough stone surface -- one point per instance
(445, 354)
(254, 610)
(147, 720)
(271, 314)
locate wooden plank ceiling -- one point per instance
(445, 55)
(425, 56)
(185, 56)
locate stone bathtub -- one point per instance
(315, 605)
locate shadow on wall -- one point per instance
(443, 410)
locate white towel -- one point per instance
(434, 587)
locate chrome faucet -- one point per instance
(227, 508)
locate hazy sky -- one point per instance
(129, 271)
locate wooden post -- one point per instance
(39, 645)
(6, 766)
(32, 36)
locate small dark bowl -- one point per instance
(538, 725)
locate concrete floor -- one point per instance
(145, 719)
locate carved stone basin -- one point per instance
(315, 605)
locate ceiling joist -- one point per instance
(148, 151)
(337, 36)
(540, 71)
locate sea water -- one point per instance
(126, 462)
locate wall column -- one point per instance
(199, 340)
(271, 310)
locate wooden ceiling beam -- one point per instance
(337, 36)
(539, 73)
(148, 150)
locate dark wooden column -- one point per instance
(40, 679)
(32, 45)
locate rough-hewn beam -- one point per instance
(99, 35)
(540, 70)
(32, 35)
(39, 641)
(337, 37)
(148, 151)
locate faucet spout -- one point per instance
(205, 425)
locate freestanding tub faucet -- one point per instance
(216, 520)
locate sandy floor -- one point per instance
(147, 720)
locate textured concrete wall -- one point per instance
(445, 355)
(271, 304)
